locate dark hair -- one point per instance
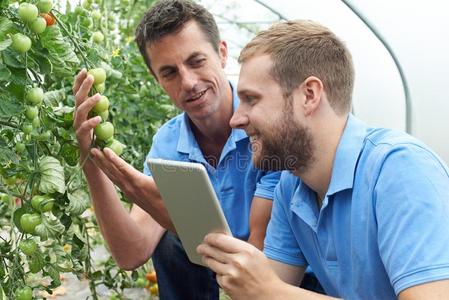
(302, 48)
(169, 16)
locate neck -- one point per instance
(319, 174)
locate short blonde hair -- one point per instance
(300, 49)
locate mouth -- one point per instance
(196, 96)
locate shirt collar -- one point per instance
(347, 154)
(187, 142)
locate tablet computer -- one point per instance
(190, 200)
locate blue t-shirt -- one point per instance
(383, 225)
(235, 180)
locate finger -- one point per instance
(86, 127)
(212, 252)
(226, 243)
(224, 281)
(121, 165)
(218, 267)
(78, 80)
(82, 111)
(103, 163)
(84, 89)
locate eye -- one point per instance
(168, 73)
(250, 99)
(198, 62)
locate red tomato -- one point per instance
(49, 19)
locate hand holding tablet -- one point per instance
(190, 200)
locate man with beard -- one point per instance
(180, 43)
(366, 208)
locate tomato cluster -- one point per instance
(104, 132)
(29, 14)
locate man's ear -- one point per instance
(223, 53)
(312, 90)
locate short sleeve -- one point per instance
(412, 210)
(153, 153)
(266, 184)
(280, 242)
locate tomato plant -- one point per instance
(47, 226)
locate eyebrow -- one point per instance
(191, 56)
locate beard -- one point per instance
(288, 145)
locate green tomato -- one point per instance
(97, 37)
(24, 293)
(116, 146)
(5, 198)
(17, 215)
(28, 12)
(29, 222)
(42, 203)
(31, 112)
(86, 4)
(99, 75)
(105, 130)
(28, 247)
(35, 96)
(27, 128)
(35, 263)
(45, 5)
(86, 22)
(21, 43)
(140, 282)
(38, 26)
(20, 147)
(104, 115)
(36, 123)
(11, 180)
(44, 136)
(79, 10)
(101, 105)
(100, 87)
(96, 15)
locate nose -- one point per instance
(188, 79)
(239, 118)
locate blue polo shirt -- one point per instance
(235, 179)
(383, 225)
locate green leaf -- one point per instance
(5, 26)
(8, 108)
(5, 73)
(11, 59)
(45, 65)
(54, 97)
(52, 176)
(50, 227)
(61, 51)
(5, 44)
(79, 202)
(54, 274)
